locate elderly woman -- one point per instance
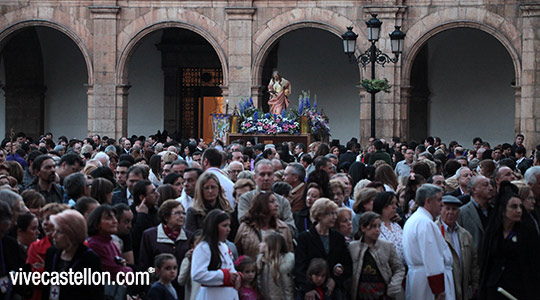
(167, 237)
(344, 223)
(509, 253)
(70, 253)
(301, 217)
(322, 241)
(209, 195)
(261, 218)
(363, 201)
(102, 224)
(377, 270)
(385, 205)
(338, 191)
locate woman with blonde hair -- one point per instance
(209, 195)
(322, 241)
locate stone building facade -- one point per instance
(242, 32)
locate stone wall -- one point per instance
(241, 32)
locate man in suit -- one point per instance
(350, 155)
(522, 163)
(463, 176)
(473, 216)
(465, 267)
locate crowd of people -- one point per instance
(389, 220)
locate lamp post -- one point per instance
(373, 54)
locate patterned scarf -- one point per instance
(173, 235)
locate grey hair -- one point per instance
(298, 169)
(474, 182)
(235, 163)
(426, 191)
(263, 162)
(532, 174)
(331, 155)
(102, 155)
(458, 172)
(246, 174)
(10, 197)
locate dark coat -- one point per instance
(154, 241)
(302, 220)
(159, 292)
(523, 260)
(14, 258)
(84, 258)
(347, 156)
(140, 223)
(380, 155)
(310, 246)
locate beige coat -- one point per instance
(466, 279)
(282, 290)
(248, 237)
(391, 268)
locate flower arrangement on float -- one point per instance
(305, 120)
(253, 120)
(318, 122)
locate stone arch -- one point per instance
(51, 18)
(130, 37)
(498, 27)
(291, 20)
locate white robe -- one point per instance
(426, 254)
(212, 281)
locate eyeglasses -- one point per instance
(209, 188)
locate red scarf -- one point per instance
(173, 235)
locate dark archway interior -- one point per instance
(462, 88)
(44, 73)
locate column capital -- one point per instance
(240, 13)
(104, 11)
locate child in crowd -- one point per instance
(212, 263)
(275, 264)
(166, 269)
(184, 276)
(317, 274)
(249, 289)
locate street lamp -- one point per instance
(373, 54)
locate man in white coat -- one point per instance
(426, 252)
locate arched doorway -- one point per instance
(176, 78)
(461, 88)
(43, 74)
(312, 59)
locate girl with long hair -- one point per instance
(212, 262)
(275, 264)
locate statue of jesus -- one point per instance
(279, 89)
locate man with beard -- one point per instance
(44, 169)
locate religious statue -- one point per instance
(279, 89)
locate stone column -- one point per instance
(389, 120)
(103, 116)
(528, 110)
(240, 21)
